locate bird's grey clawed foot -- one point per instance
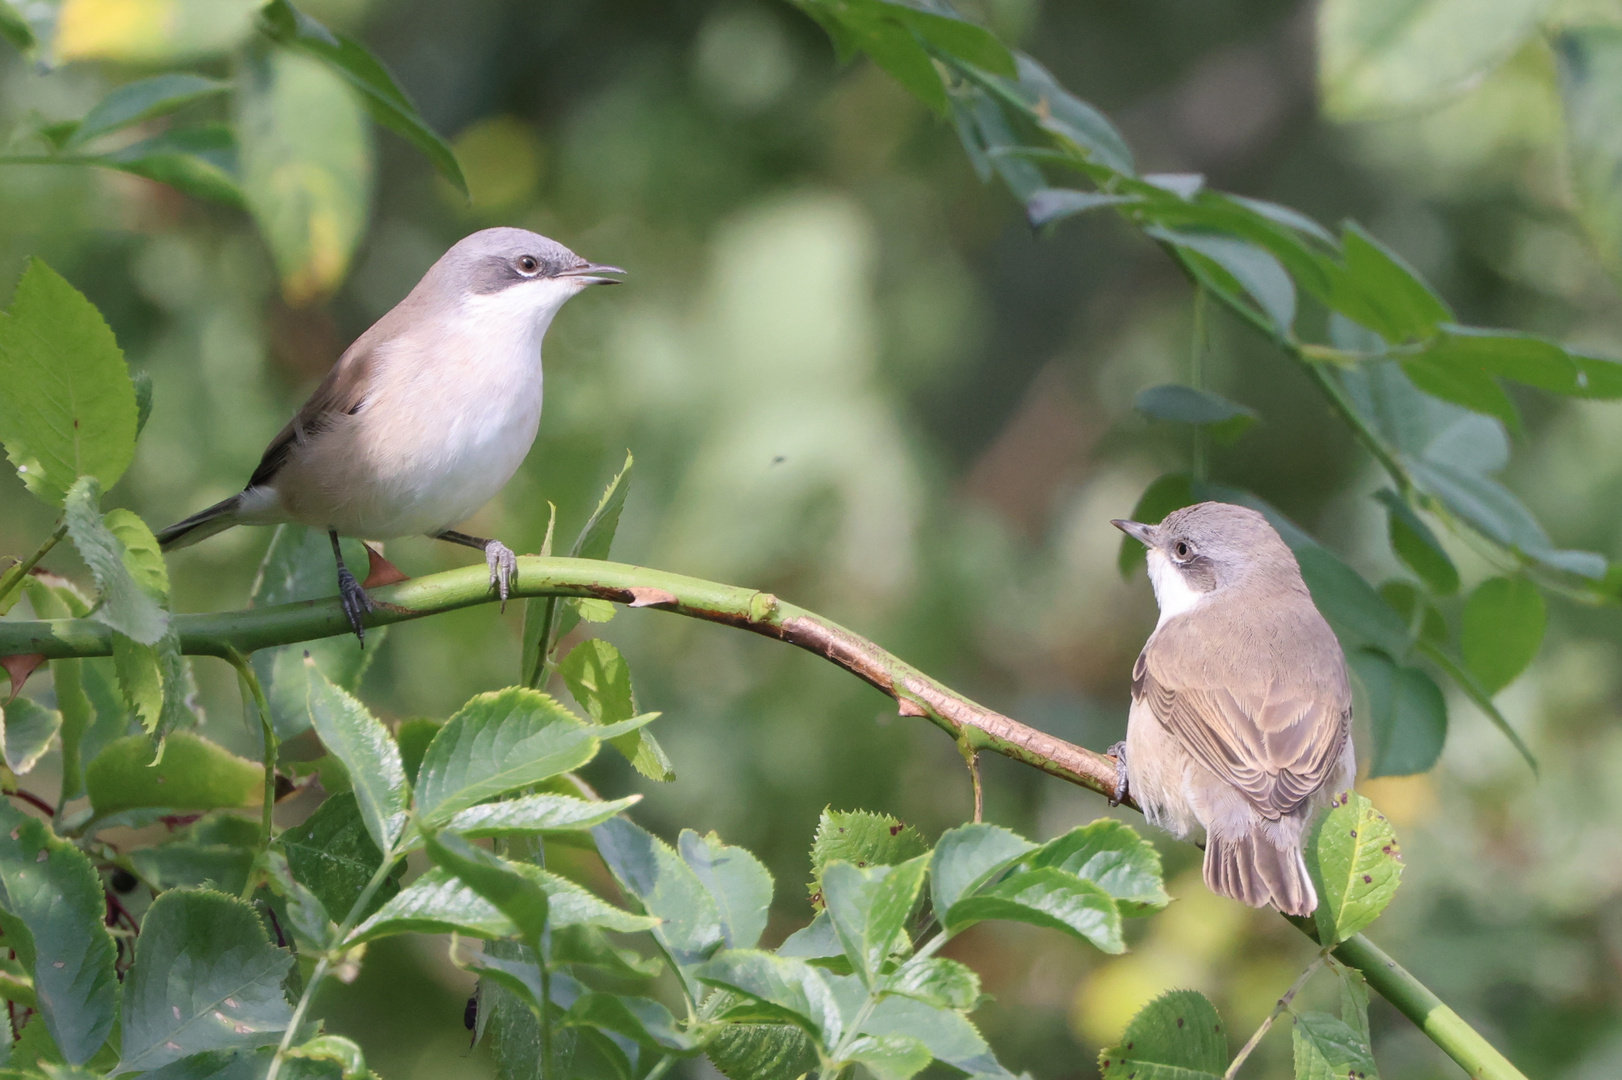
(503, 568)
(1118, 752)
(355, 602)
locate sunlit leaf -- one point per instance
(948, 1034)
(861, 838)
(68, 410)
(1112, 856)
(1327, 1048)
(1177, 1036)
(761, 1051)
(534, 814)
(793, 991)
(890, 1057)
(1382, 292)
(1501, 630)
(1356, 864)
(967, 857)
(1047, 897)
(667, 888)
(600, 680)
(935, 980)
(868, 907)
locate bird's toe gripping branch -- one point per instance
(503, 568)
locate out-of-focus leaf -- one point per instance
(1170, 492)
(1226, 420)
(439, 903)
(642, 1019)
(502, 741)
(141, 100)
(1590, 64)
(306, 161)
(200, 161)
(336, 1050)
(383, 97)
(1183, 185)
(1380, 291)
(362, 743)
(298, 565)
(1255, 269)
(1177, 1036)
(333, 855)
(861, 838)
(1112, 856)
(15, 29)
(27, 728)
(1410, 602)
(967, 857)
(1407, 714)
(1475, 390)
(1380, 57)
(1059, 112)
(992, 143)
(1352, 854)
(600, 680)
(937, 981)
(51, 909)
(1598, 377)
(792, 990)
(1501, 630)
(739, 884)
(150, 31)
(68, 410)
(868, 908)
(1327, 1048)
(1273, 228)
(1416, 545)
(1046, 897)
(1055, 204)
(206, 977)
(1478, 696)
(667, 888)
(192, 774)
(1532, 361)
(867, 25)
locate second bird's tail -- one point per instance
(201, 525)
(1251, 869)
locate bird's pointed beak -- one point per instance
(1137, 530)
(592, 274)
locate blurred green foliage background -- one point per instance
(852, 376)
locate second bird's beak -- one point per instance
(1143, 534)
(592, 273)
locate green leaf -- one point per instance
(240, 1064)
(124, 559)
(894, 48)
(817, 940)
(105, 717)
(1328, 1049)
(51, 910)
(206, 977)
(334, 856)
(413, 737)
(306, 160)
(338, 1050)
(870, 908)
(1354, 1000)
(969, 856)
(1501, 630)
(200, 161)
(1049, 205)
(1059, 112)
(298, 566)
(1381, 57)
(792, 990)
(890, 1057)
(1383, 293)
(642, 1019)
(862, 839)
(191, 774)
(1225, 419)
(1417, 547)
(156, 683)
(1256, 270)
(141, 100)
(27, 729)
(949, 1035)
(15, 29)
(1112, 856)
(1170, 492)
(1356, 864)
(500, 742)
(937, 981)
(1598, 377)
(189, 864)
(362, 743)
(1474, 390)
(667, 887)
(518, 896)
(1177, 1036)
(383, 97)
(761, 1051)
(1422, 617)
(1407, 714)
(69, 408)
(1590, 66)
(600, 680)
(439, 903)
(1046, 897)
(735, 879)
(535, 814)
(1530, 360)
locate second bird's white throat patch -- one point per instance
(1172, 591)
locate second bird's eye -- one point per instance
(528, 264)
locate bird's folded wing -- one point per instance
(341, 392)
(1274, 740)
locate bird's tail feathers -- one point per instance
(201, 525)
(1252, 869)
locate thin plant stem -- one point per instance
(17, 571)
(252, 691)
(1278, 1010)
(1196, 379)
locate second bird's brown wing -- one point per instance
(1258, 713)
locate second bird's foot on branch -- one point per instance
(356, 603)
(503, 568)
(1118, 752)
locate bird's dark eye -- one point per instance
(1182, 550)
(528, 264)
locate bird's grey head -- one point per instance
(1209, 546)
(511, 268)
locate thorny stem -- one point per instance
(1278, 1010)
(916, 694)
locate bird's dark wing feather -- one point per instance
(341, 392)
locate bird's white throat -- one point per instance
(1172, 591)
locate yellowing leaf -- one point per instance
(150, 31)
